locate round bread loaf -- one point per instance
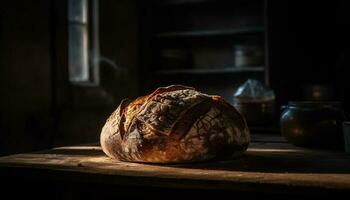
(174, 124)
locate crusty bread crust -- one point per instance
(174, 124)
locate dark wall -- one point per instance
(25, 75)
(39, 108)
(307, 45)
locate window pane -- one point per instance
(77, 10)
(78, 53)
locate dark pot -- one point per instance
(313, 124)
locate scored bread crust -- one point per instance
(174, 124)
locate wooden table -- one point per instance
(268, 168)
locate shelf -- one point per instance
(210, 33)
(210, 71)
(186, 2)
(181, 2)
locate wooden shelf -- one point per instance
(210, 33)
(210, 71)
(181, 2)
(186, 2)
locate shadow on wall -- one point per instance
(39, 108)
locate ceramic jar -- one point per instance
(313, 124)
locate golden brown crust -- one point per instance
(174, 124)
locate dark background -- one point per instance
(306, 43)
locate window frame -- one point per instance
(91, 25)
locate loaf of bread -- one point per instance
(172, 125)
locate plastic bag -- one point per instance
(253, 91)
(255, 102)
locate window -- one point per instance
(83, 46)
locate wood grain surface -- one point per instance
(265, 166)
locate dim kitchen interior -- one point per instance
(279, 66)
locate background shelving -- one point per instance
(208, 33)
(231, 70)
(194, 42)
